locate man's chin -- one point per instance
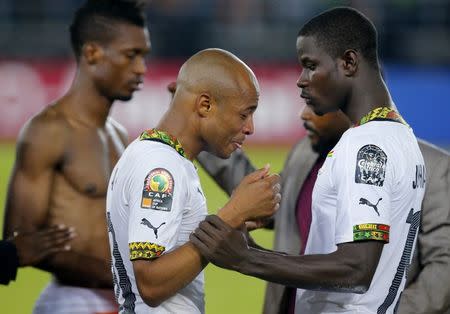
(124, 97)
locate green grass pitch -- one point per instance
(226, 291)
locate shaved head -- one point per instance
(218, 73)
(212, 108)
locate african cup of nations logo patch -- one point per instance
(158, 190)
(370, 165)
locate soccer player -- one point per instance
(155, 199)
(367, 197)
(66, 152)
(424, 292)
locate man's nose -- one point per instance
(249, 127)
(302, 81)
(141, 66)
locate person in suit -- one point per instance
(425, 292)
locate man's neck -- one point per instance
(178, 127)
(86, 104)
(370, 93)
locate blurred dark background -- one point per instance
(411, 31)
(414, 39)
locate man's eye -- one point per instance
(244, 116)
(310, 66)
(131, 54)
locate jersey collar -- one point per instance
(163, 137)
(382, 114)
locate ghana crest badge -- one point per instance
(157, 193)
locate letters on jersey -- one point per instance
(158, 190)
(370, 165)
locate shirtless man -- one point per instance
(66, 152)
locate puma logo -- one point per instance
(363, 201)
(149, 224)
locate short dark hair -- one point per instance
(94, 20)
(343, 28)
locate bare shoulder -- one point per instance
(120, 129)
(44, 135)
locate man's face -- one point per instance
(321, 83)
(231, 122)
(326, 130)
(121, 68)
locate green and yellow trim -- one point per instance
(145, 250)
(163, 137)
(371, 231)
(380, 114)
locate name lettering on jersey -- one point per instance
(158, 190)
(419, 181)
(371, 231)
(363, 201)
(147, 223)
(370, 165)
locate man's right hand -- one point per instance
(257, 196)
(33, 247)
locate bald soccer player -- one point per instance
(66, 152)
(155, 199)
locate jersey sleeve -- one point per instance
(157, 194)
(363, 179)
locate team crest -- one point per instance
(370, 165)
(158, 190)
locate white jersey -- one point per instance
(154, 203)
(370, 187)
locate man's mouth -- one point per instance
(309, 129)
(137, 84)
(238, 144)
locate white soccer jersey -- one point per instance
(370, 187)
(154, 202)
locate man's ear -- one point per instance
(350, 62)
(204, 104)
(92, 52)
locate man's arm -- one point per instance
(162, 277)
(429, 292)
(349, 269)
(40, 151)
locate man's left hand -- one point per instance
(219, 243)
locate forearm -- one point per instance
(312, 272)
(163, 277)
(77, 269)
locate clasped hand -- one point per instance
(219, 243)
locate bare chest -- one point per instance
(88, 160)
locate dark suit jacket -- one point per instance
(428, 288)
(9, 262)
